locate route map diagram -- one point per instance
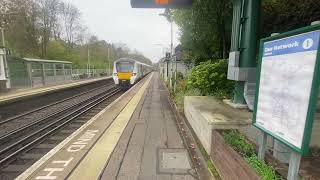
(286, 77)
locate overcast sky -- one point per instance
(116, 22)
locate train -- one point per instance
(127, 72)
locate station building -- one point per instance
(168, 67)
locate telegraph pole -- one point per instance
(109, 63)
(88, 65)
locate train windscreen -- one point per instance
(125, 66)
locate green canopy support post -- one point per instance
(242, 60)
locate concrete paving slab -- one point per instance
(153, 124)
(130, 167)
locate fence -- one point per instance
(92, 73)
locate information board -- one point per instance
(287, 69)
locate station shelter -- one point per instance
(30, 73)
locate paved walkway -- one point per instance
(150, 147)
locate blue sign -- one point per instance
(300, 43)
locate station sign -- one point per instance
(287, 86)
(161, 3)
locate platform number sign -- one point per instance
(161, 3)
(288, 87)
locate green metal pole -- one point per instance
(248, 42)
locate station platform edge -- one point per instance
(23, 94)
(105, 148)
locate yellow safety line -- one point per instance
(93, 164)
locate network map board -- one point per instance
(288, 87)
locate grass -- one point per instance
(238, 143)
(210, 164)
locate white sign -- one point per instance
(287, 71)
(2, 69)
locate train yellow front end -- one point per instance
(126, 72)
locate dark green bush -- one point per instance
(211, 78)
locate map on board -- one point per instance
(287, 71)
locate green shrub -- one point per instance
(265, 171)
(183, 90)
(238, 143)
(211, 78)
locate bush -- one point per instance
(211, 78)
(183, 90)
(238, 142)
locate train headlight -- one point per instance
(134, 74)
(115, 74)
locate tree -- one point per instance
(52, 29)
(205, 29)
(284, 15)
(48, 22)
(71, 23)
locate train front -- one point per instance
(123, 73)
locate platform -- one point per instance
(25, 93)
(135, 137)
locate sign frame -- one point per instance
(304, 150)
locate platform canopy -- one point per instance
(161, 3)
(47, 61)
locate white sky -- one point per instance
(116, 22)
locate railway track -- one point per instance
(9, 109)
(27, 137)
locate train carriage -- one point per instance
(127, 71)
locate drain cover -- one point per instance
(173, 161)
(178, 160)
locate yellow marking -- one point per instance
(124, 75)
(93, 164)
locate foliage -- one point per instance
(265, 171)
(211, 78)
(182, 91)
(53, 29)
(205, 29)
(238, 142)
(284, 15)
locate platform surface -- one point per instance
(22, 93)
(151, 147)
(134, 138)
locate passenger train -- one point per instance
(127, 71)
